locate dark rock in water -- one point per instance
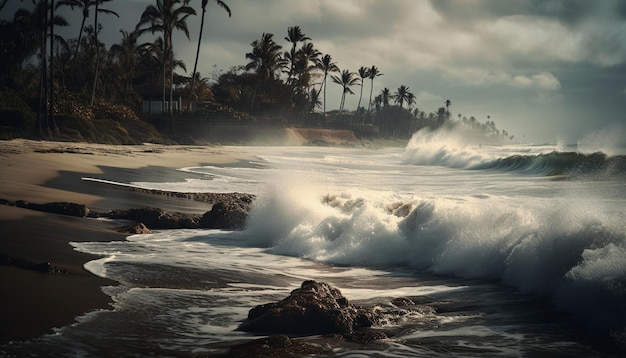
(136, 229)
(61, 208)
(314, 308)
(228, 214)
(275, 346)
(156, 218)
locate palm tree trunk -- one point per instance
(42, 114)
(171, 104)
(80, 34)
(324, 85)
(52, 122)
(164, 74)
(95, 77)
(369, 105)
(195, 65)
(43, 100)
(256, 87)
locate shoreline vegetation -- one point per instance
(137, 90)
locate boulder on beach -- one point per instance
(228, 214)
(314, 308)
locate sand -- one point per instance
(34, 303)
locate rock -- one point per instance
(136, 229)
(275, 346)
(156, 218)
(61, 208)
(314, 308)
(228, 214)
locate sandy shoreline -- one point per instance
(41, 172)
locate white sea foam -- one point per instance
(367, 212)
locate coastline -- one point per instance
(33, 302)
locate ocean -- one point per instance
(514, 250)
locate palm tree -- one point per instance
(294, 35)
(305, 62)
(364, 73)
(326, 65)
(201, 91)
(127, 55)
(165, 18)
(195, 64)
(306, 57)
(410, 100)
(374, 72)
(85, 5)
(402, 95)
(34, 25)
(346, 80)
(266, 60)
(385, 95)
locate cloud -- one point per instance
(482, 77)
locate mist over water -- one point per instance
(492, 229)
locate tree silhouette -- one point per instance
(364, 73)
(34, 26)
(165, 17)
(374, 72)
(127, 55)
(346, 80)
(195, 64)
(294, 35)
(402, 95)
(265, 59)
(326, 65)
(84, 6)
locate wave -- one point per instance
(460, 149)
(561, 163)
(570, 251)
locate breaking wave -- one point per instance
(463, 149)
(568, 249)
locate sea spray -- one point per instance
(546, 247)
(461, 148)
(455, 148)
(609, 140)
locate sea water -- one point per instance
(519, 249)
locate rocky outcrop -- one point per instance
(61, 208)
(276, 346)
(231, 214)
(156, 218)
(314, 308)
(229, 211)
(136, 229)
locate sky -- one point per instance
(546, 71)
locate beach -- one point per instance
(466, 250)
(33, 302)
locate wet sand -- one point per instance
(33, 303)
